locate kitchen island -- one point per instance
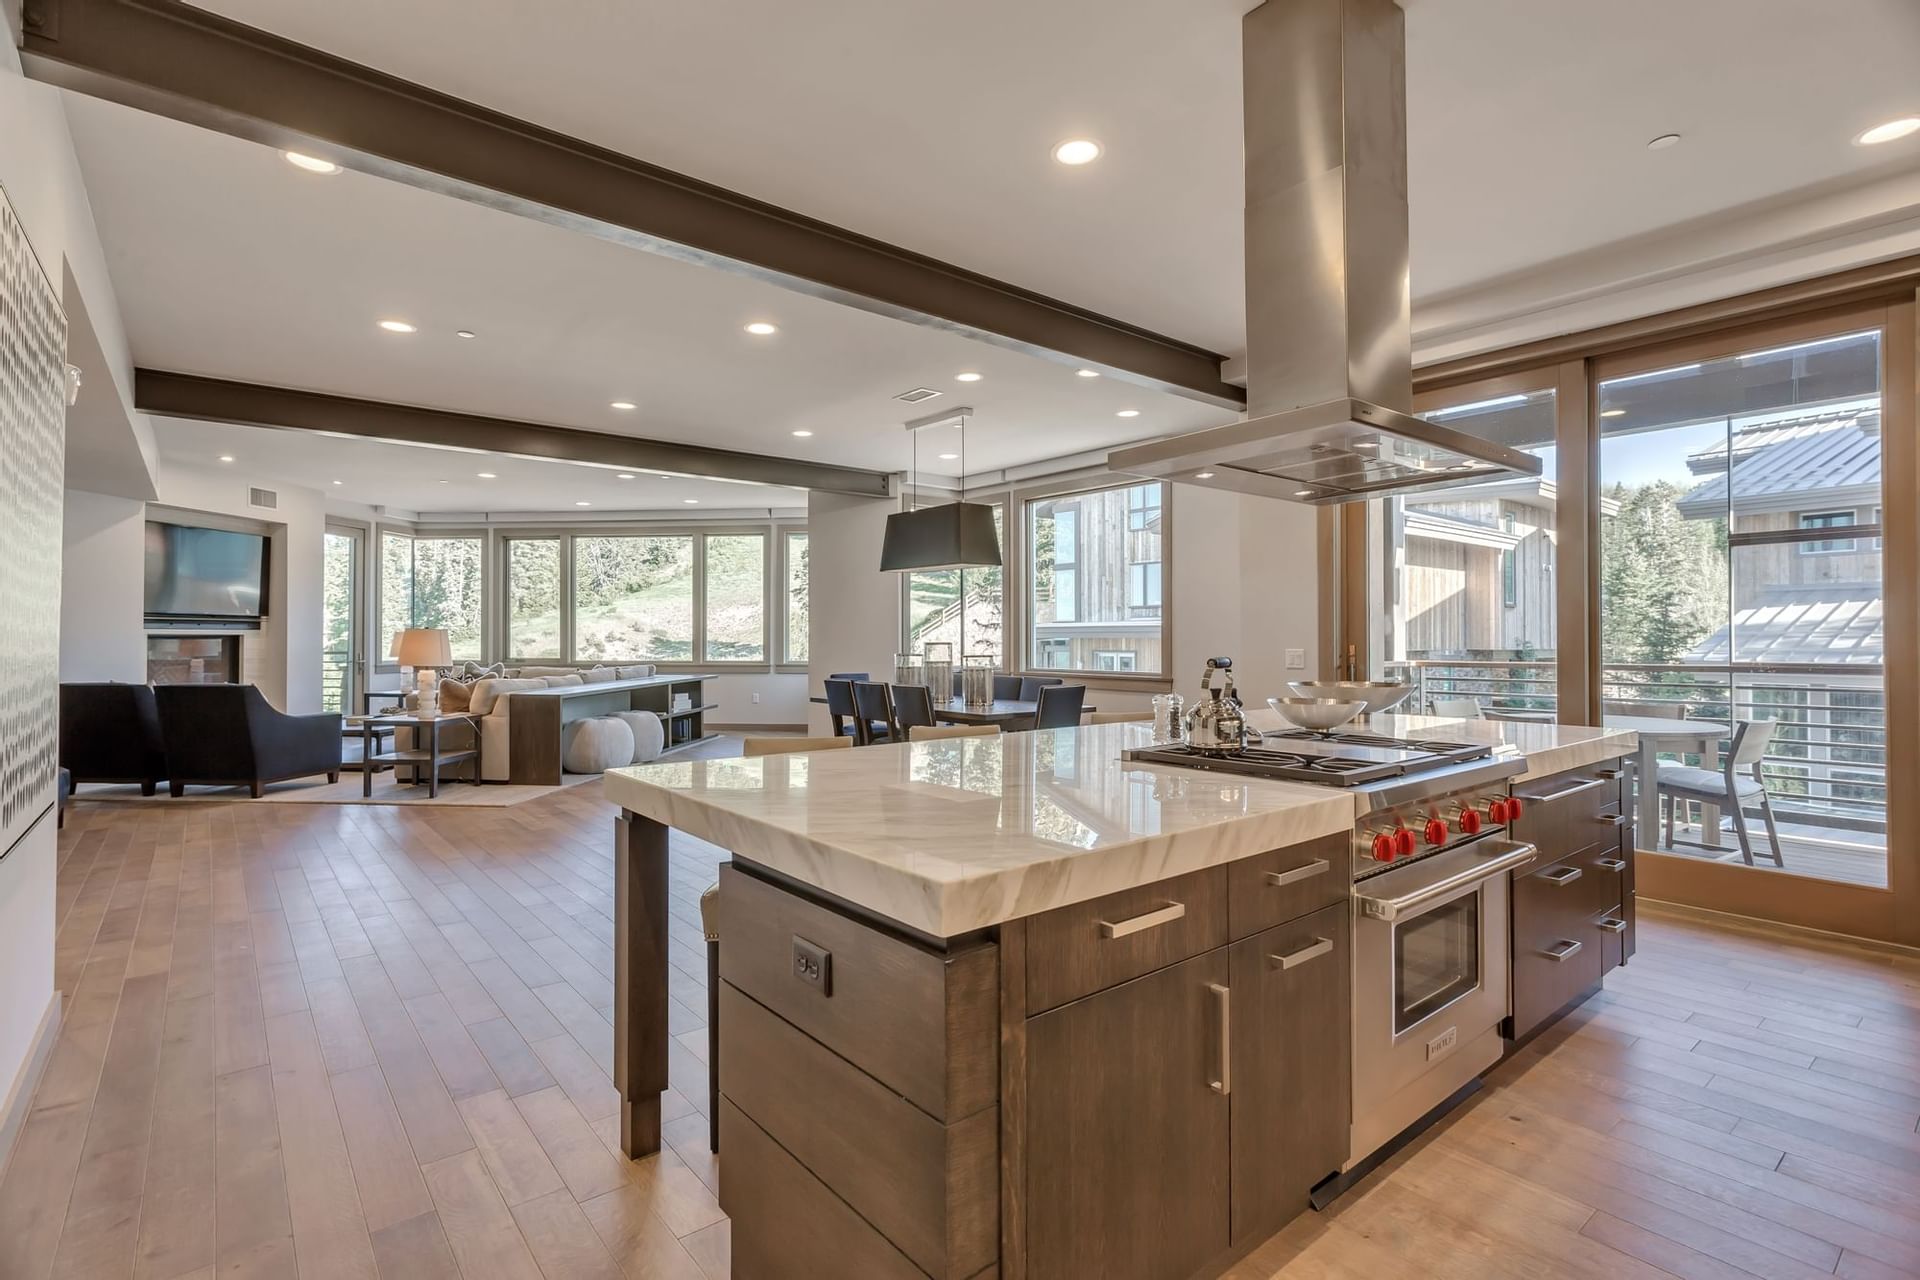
(1013, 1006)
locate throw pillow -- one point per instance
(639, 672)
(562, 682)
(599, 675)
(469, 671)
(455, 695)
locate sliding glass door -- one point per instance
(1741, 605)
(343, 557)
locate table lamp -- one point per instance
(424, 649)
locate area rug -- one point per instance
(317, 790)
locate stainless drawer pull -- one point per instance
(1615, 819)
(1151, 920)
(1564, 792)
(1607, 775)
(1562, 950)
(1298, 874)
(1318, 947)
(1222, 1084)
(1610, 864)
(1562, 875)
(1614, 924)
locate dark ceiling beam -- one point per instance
(183, 395)
(175, 60)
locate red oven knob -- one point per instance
(1498, 811)
(1403, 843)
(1436, 831)
(1469, 823)
(1514, 807)
(1383, 848)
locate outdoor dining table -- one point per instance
(1658, 734)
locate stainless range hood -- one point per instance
(1329, 339)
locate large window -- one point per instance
(431, 582)
(961, 607)
(736, 597)
(1095, 587)
(794, 641)
(533, 598)
(633, 598)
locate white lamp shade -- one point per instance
(422, 647)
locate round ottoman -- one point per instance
(649, 735)
(597, 745)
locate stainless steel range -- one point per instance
(1431, 858)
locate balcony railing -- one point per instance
(1825, 766)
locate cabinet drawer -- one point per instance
(1556, 947)
(1076, 950)
(931, 1189)
(925, 1023)
(1570, 812)
(1286, 884)
(792, 1224)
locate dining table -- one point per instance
(1009, 713)
(1657, 734)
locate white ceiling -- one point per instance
(415, 479)
(929, 125)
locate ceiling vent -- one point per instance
(263, 498)
(916, 395)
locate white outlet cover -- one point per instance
(1296, 659)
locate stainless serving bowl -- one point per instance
(1316, 713)
(1377, 695)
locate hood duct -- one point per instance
(1329, 336)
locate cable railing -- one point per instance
(1826, 764)
(335, 668)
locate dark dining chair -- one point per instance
(912, 705)
(1006, 688)
(1030, 686)
(840, 707)
(873, 713)
(1059, 706)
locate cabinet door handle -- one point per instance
(1295, 876)
(1614, 924)
(1562, 950)
(1222, 1083)
(1312, 951)
(1561, 875)
(1615, 819)
(1150, 920)
(1610, 864)
(1608, 775)
(1564, 792)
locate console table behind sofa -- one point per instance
(537, 720)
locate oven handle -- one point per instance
(1510, 855)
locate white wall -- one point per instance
(783, 699)
(853, 610)
(101, 589)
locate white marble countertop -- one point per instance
(958, 834)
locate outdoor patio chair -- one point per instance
(1736, 783)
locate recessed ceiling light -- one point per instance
(1203, 475)
(1089, 373)
(339, 482)
(226, 457)
(966, 377)
(1662, 142)
(1128, 413)
(312, 164)
(487, 475)
(760, 328)
(623, 405)
(803, 434)
(948, 457)
(626, 475)
(692, 502)
(398, 326)
(465, 333)
(583, 503)
(1613, 413)
(1888, 132)
(1303, 493)
(1366, 444)
(446, 482)
(1077, 151)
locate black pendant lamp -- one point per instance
(953, 535)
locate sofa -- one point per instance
(230, 735)
(111, 733)
(489, 698)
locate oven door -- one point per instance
(1431, 982)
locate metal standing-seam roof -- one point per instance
(1832, 456)
(1824, 622)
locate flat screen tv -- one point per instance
(205, 573)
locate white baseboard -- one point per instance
(13, 1114)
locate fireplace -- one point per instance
(193, 659)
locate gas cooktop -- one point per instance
(1329, 759)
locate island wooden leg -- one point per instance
(640, 979)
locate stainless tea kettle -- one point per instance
(1216, 726)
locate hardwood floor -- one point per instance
(364, 1041)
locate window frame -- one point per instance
(1019, 580)
(1826, 546)
(1004, 502)
(783, 659)
(378, 533)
